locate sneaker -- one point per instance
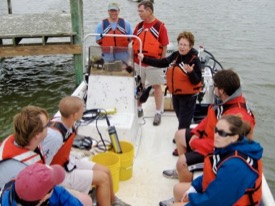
(119, 202)
(140, 113)
(172, 174)
(175, 153)
(167, 202)
(157, 119)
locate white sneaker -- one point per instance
(172, 174)
(157, 119)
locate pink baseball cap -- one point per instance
(35, 181)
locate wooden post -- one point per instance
(9, 7)
(77, 26)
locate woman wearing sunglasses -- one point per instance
(232, 175)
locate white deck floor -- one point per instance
(152, 156)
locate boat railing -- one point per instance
(86, 46)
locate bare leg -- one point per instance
(183, 172)
(181, 141)
(86, 200)
(106, 171)
(179, 203)
(180, 189)
(158, 96)
(139, 103)
(102, 182)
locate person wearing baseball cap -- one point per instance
(113, 24)
(37, 184)
(113, 6)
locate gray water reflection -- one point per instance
(239, 33)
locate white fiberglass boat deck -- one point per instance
(153, 155)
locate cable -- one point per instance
(98, 114)
(100, 135)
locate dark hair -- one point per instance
(147, 5)
(228, 80)
(23, 202)
(187, 35)
(237, 125)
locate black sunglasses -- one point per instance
(223, 133)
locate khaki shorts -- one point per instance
(153, 75)
(81, 178)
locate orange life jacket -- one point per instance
(235, 106)
(9, 150)
(214, 115)
(253, 195)
(62, 156)
(114, 41)
(178, 81)
(151, 47)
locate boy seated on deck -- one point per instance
(81, 174)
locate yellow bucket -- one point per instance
(126, 160)
(112, 161)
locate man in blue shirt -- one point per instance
(114, 25)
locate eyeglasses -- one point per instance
(223, 133)
(184, 45)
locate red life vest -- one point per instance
(236, 106)
(151, 47)
(178, 81)
(9, 150)
(253, 195)
(62, 156)
(114, 41)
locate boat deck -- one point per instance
(153, 154)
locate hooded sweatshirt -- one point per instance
(233, 177)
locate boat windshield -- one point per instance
(117, 60)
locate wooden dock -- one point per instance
(37, 34)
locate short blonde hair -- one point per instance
(70, 105)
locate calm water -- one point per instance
(239, 33)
